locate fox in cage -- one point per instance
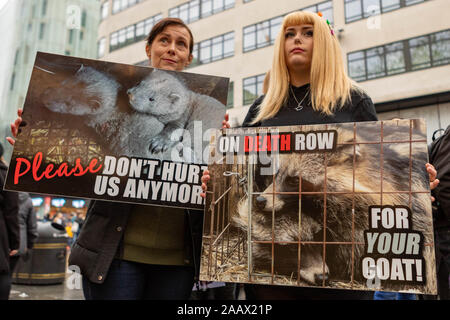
(308, 218)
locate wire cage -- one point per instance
(234, 245)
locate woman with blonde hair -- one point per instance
(308, 84)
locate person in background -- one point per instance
(28, 228)
(9, 230)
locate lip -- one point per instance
(170, 61)
(296, 50)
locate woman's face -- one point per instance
(298, 47)
(170, 49)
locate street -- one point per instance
(45, 292)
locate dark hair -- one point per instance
(162, 24)
(1, 150)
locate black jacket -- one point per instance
(27, 222)
(102, 234)
(9, 222)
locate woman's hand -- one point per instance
(225, 123)
(15, 127)
(205, 179)
(432, 173)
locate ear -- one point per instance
(148, 50)
(173, 97)
(191, 57)
(81, 68)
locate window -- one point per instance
(44, 7)
(197, 9)
(120, 5)
(213, 49)
(133, 33)
(230, 97)
(264, 33)
(420, 52)
(188, 12)
(261, 34)
(104, 10)
(11, 85)
(71, 36)
(41, 30)
(325, 7)
(361, 9)
(101, 48)
(399, 57)
(252, 88)
(83, 18)
(440, 48)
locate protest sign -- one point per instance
(117, 132)
(333, 206)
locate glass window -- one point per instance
(249, 38)
(353, 10)
(104, 10)
(395, 58)
(228, 45)
(420, 52)
(101, 48)
(113, 40)
(357, 66)
(389, 5)
(205, 51)
(252, 88)
(375, 63)
(42, 30)
(263, 34)
(230, 97)
(371, 7)
(402, 56)
(140, 32)
(116, 6)
(217, 48)
(440, 48)
(206, 8)
(359, 9)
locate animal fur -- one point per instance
(310, 168)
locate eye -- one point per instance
(292, 181)
(182, 44)
(163, 39)
(289, 34)
(309, 33)
(151, 99)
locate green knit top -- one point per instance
(155, 235)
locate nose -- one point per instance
(319, 278)
(261, 202)
(172, 48)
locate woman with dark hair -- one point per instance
(127, 251)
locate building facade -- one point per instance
(397, 50)
(67, 27)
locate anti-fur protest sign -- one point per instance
(116, 132)
(334, 206)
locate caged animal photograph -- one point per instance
(122, 110)
(303, 223)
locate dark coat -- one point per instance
(27, 222)
(9, 222)
(101, 237)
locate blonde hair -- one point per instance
(330, 85)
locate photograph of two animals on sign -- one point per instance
(354, 217)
